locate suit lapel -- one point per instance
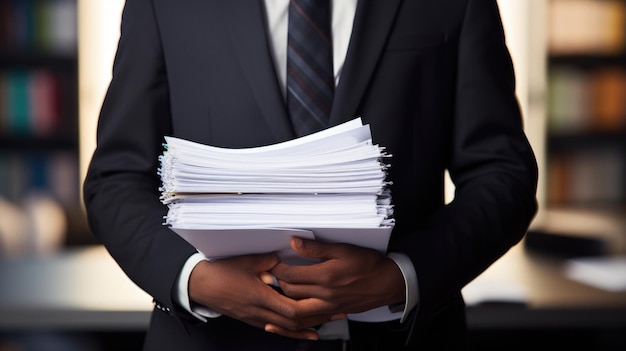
(372, 23)
(249, 36)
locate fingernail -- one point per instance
(298, 242)
(269, 329)
(267, 278)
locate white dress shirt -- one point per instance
(343, 12)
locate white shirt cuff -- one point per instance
(182, 291)
(411, 291)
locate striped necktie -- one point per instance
(310, 80)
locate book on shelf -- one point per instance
(590, 177)
(586, 100)
(52, 173)
(586, 27)
(30, 102)
(608, 91)
(38, 26)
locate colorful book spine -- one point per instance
(38, 26)
(18, 106)
(587, 178)
(30, 103)
(53, 173)
(586, 100)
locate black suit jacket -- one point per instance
(433, 78)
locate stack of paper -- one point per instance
(331, 179)
(328, 186)
(222, 211)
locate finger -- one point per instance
(311, 248)
(305, 274)
(311, 311)
(288, 314)
(309, 275)
(266, 262)
(313, 274)
(298, 319)
(310, 307)
(304, 291)
(306, 334)
(277, 309)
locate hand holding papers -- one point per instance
(329, 186)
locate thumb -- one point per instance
(266, 262)
(310, 248)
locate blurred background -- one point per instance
(564, 284)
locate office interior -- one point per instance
(563, 285)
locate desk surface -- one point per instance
(85, 289)
(547, 297)
(77, 288)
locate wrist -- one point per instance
(395, 283)
(198, 281)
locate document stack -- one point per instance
(328, 186)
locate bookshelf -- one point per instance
(586, 130)
(38, 122)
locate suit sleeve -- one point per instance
(491, 164)
(121, 190)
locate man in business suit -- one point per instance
(434, 80)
